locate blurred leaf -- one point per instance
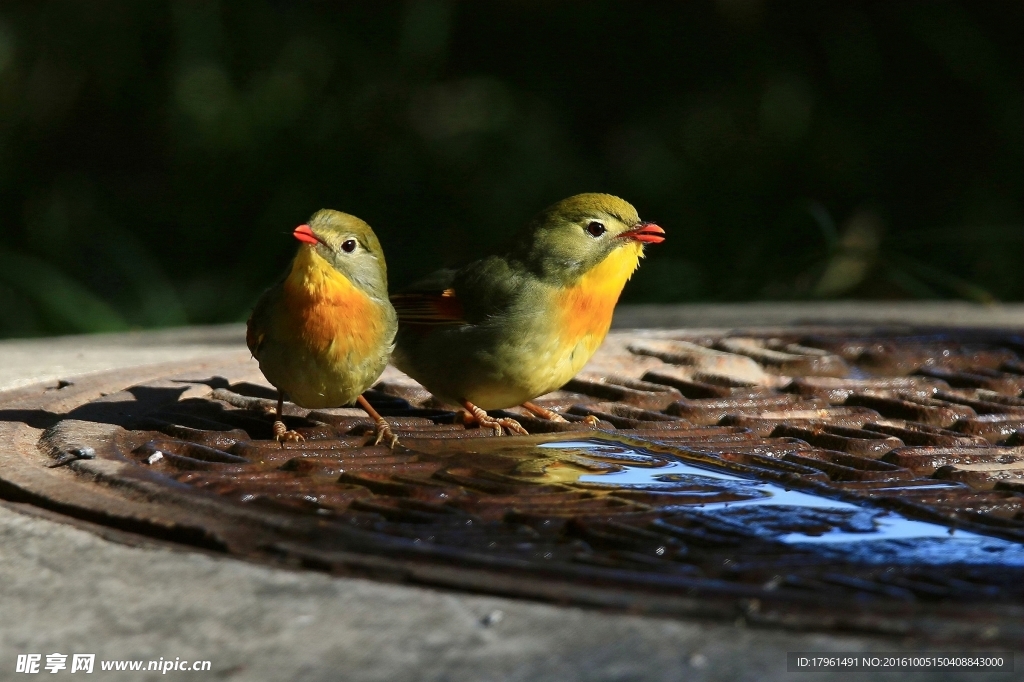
(958, 286)
(157, 303)
(154, 156)
(825, 222)
(855, 254)
(67, 305)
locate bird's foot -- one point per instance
(383, 429)
(544, 413)
(479, 416)
(385, 434)
(282, 435)
(592, 420)
(512, 426)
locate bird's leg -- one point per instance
(281, 432)
(384, 432)
(488, 422)
(543, 412)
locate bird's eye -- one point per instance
(596, 229)
(348, 246)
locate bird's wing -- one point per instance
(429, 308)
(471, 295)
(431, 301)
(256, 327)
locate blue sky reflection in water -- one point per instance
(856, 533)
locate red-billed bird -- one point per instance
(324, 333)
(513, 326)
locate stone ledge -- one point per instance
(926, 313)
(25, 361)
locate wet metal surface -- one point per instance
(852, 479)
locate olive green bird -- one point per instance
(521, 323)
(325, 332)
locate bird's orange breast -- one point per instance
(585, 309)
(329, 313)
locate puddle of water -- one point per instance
(894, 538)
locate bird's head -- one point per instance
(565, 240)
(349, 245)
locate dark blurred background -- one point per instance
(154, 156)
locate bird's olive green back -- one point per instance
(553, 249)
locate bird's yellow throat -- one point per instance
(326, 309)
(314, 277)
(587, 307)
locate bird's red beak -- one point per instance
(304, 234)
(649, 233)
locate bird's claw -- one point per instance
(483, 420)
(492, 424)
(486, 421)
(283, 435)
(385, 434)
(592, 420)
(512, 425)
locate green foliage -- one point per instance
(155, 156)
(59, 300)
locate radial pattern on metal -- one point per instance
(868, 479)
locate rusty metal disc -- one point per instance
(859, 479)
